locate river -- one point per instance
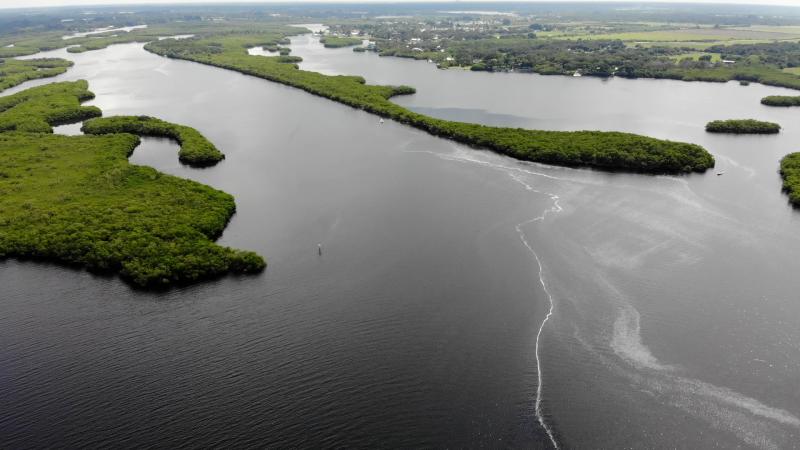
(462, 299)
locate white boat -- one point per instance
(721, 172)
(381, 121)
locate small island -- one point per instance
(742, 126)
(781, 100)
(339, 42)
(196, 150)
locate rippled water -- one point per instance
(674, 308)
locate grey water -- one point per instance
(425, 322)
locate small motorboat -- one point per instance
(381, 121)
(721, 172)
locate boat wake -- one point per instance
(538, 404)
(749, 420)
(517, 173)
(753, 422)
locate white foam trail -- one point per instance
(516, 173)
(554, 209)
(750, 171)
(754, 422)
(627, 341)
(464, 157)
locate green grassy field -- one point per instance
(695, 56)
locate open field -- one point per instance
(693, 35)
(695, 56)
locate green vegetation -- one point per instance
(34, 42)
(790, 171)
(685, 52)
(14, 72)
(37, 109)
(338, 42)
(607, 150)
(196, 150)
(742, 126)
(781, 100)
(77, 200)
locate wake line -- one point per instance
(516, 174)
(507, 169)
(538, 405)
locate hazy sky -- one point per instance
(30, 3)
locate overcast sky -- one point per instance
(30, 3)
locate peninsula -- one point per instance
(598, 149)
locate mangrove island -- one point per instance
(742, 126)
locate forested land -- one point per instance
(742, 126)
(338, 42)
(606, 150)
(14, 72)
(29, 43)
(781, 100)
(77, 200)
(556, 47)
(790, 171)
(37, 109)
(195, 150)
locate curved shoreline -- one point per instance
(196, 150)
(77, 200)
(597, 149)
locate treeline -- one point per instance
(482, 50)
(29, 43)
(77, 200)
(15, 71)
(790, 172)
(338, 42)
(781, 100)
(607, 150)
(742, 126)
(779, 54)
(37, 109)
(195, 150)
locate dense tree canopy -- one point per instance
(14, 71)
(781, 100)
(337, 41)
(77, 200)
(196, 150)
(790, 171)
(38, 108)
(743, 126)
